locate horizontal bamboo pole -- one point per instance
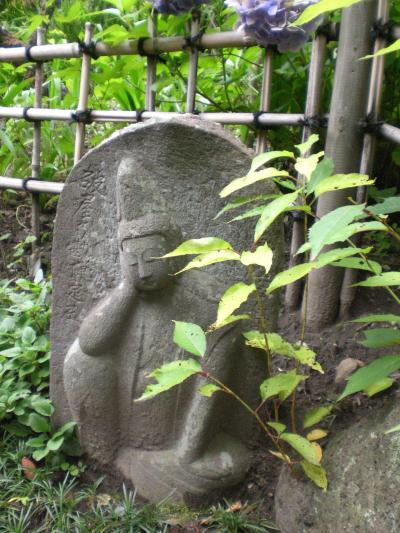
(391, 133)
(266, 119)
(156, 45)
(17, 184)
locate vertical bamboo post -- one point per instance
(151, 72)
(343, 144)
(348, 292)
(312, 109)
(35, 165)
(83, 94)
(265, 99)
(193, 64)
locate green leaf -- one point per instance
(190, 337)
(370, 374)
(55, 444)
(278, 346)
(272, 211)
(302, 446)
(266, 157)
(281, 385)
(394, 47)
(262, 256)
(210, 259)
(304, 147)
(254, 212)
(305, 166)
(208, 390)
(277, 426)
(337, 254)
(38, 455)
(170, 375)
(229, 320)
(360, 264)
(393, 429)
(38, 423)
(250, 179)
(381, 338)
(342, 181)
(378, 318)
(232, 299)
(316, 415)
(199, 246)
(387, 279)
(289, 276)
(323, 6)
(42, 406)
(327, 230)
(379, 386)
(37, 442)
(322, 171)
(239, 201)
(388, 206)
(28, 335)
(316, 473)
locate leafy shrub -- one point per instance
(25, 408)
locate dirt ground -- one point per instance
(332, 345)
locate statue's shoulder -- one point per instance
(200, 285)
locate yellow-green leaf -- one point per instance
(379, 386)
(289, 276)
(262, 256)
(272, 211)
(306, 165)
(233, 298)
(342, 181)
(250, 179)
(170, 375)
(199, 246)
(304, 147)
(210, 259)
(323, 6)
(316, 473)
(316, 434)
(281, 385)
(190, 337)
(209, 389)
(394, 47)
(316, 415)
(266, 157)
(302, 447)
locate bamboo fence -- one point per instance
(192, 44)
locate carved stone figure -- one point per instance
(114, 304)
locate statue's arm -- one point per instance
(102, 327)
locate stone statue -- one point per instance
(174, 441)
(130, 200)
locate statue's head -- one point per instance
(141, 242)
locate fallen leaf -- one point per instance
(316, 434)
(234, 507)
(103, 499)
(28, 468)
(344, 370)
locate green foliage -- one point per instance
(371, 374)
(190, 337)
(25, 409)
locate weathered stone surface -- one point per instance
(133, 198)
(363, 468)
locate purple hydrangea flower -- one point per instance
(176, 7)
(268, 21)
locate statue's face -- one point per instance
(139, 264)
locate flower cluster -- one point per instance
(176, 7)
(268, 21)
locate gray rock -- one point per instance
(363, 467)
(132, 199)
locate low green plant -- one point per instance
(25, 407)
(279, 387)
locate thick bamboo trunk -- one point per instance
(344, 143)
